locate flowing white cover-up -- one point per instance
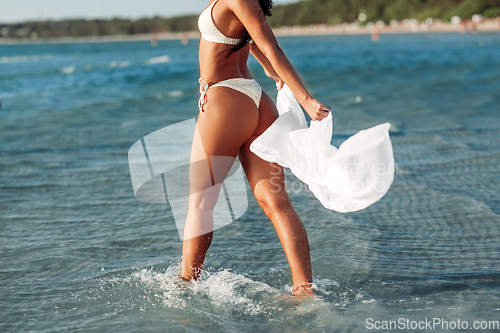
(344, 179)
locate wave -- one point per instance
(114, 64)
(16, 59)
(175, 93)
(67, 70)
(158, 60)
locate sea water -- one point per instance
(80, 253)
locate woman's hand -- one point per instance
(315, 109)
(279, 83)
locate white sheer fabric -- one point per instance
(346, 179)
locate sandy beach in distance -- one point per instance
(407, 26)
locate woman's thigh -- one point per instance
(260, 173)
(267, 114)
(229, 119)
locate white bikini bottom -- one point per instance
(249, 87)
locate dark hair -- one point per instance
(265, 6)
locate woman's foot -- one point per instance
(303, 289)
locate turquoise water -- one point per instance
(78, 252)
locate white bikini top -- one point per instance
(209, 31)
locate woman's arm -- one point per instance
(251, 16)
(268, 68)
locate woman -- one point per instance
(233, 112)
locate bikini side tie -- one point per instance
(203, 91)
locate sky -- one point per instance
(12, 11)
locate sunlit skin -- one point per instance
(229, 123)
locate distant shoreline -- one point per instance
(341, 29)
(490, 25)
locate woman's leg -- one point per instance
(268, 185)
(230, 118)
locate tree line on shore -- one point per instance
(300, 13)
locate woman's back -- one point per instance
(221, 30)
